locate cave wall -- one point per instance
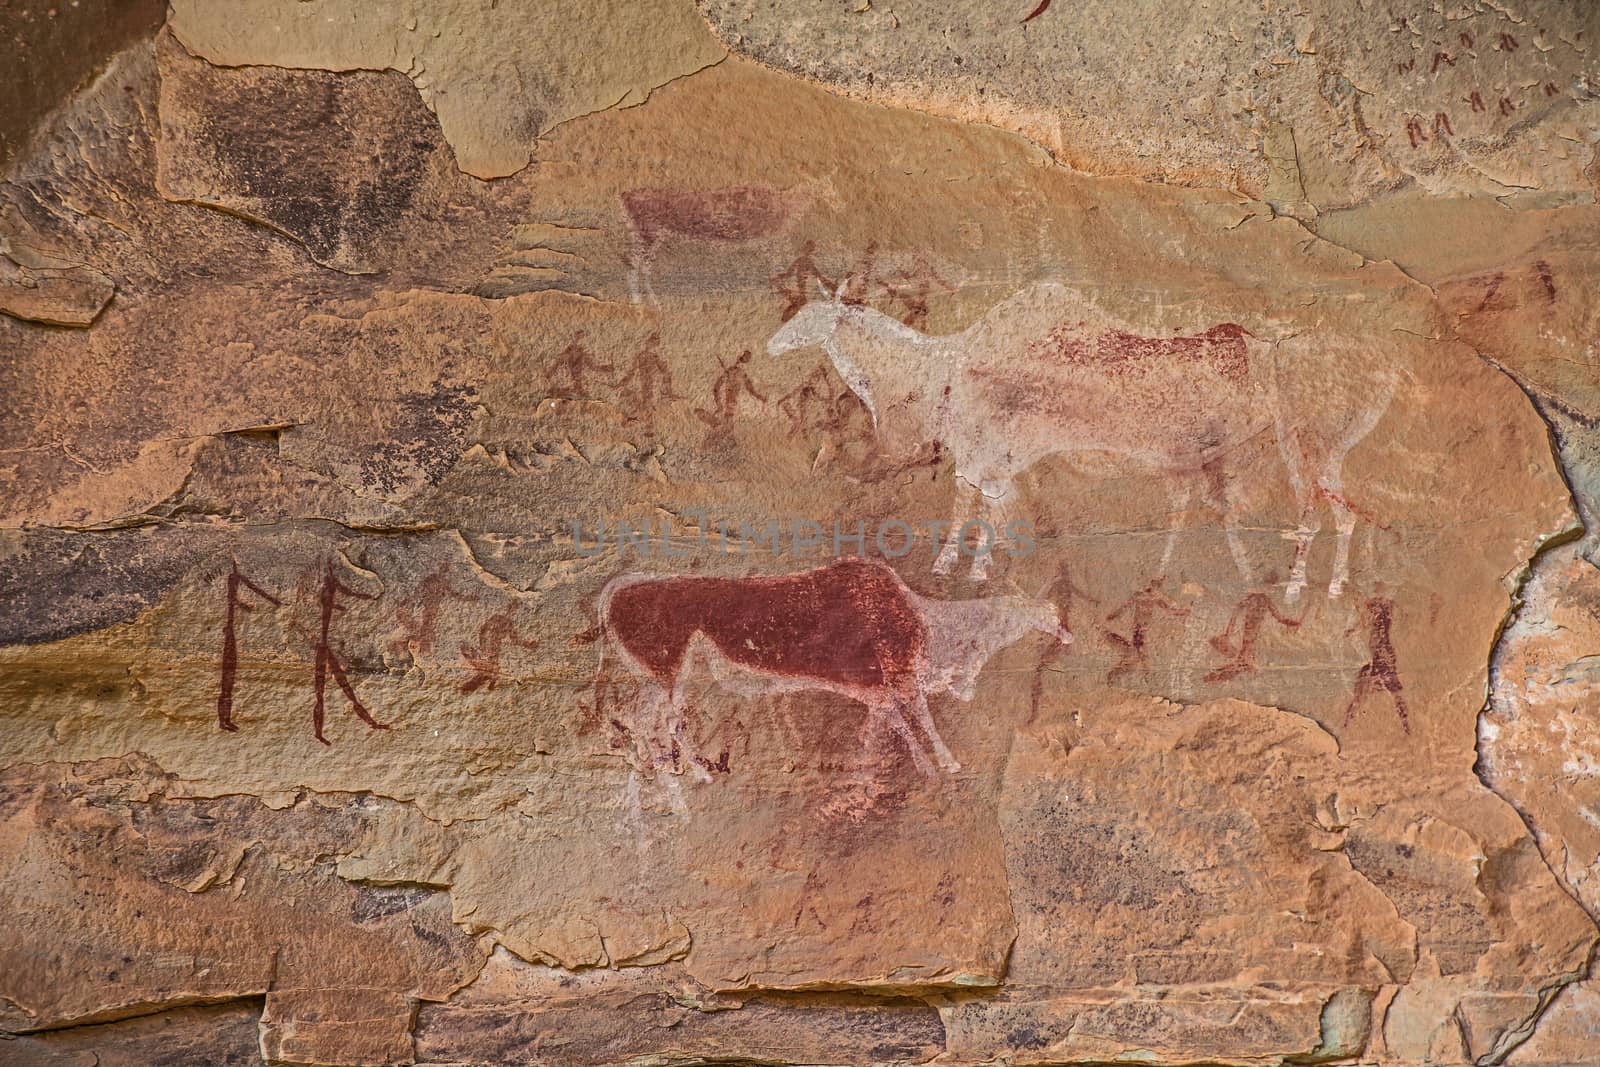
(815, 533)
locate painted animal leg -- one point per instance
(1224, 493)
(680, 742)
(1180, 493)
(894, 717)
(993, 506)
(925, 720)
(951, 550)
(1344, 520)
(1332, 482)
(1306, 498)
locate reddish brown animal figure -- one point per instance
(1222, 346)
(721, 216)
(852, 627)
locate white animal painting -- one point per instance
(1047, 372)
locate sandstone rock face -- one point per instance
(657, 533)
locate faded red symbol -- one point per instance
(230, 644)
(497, 631)
(1381, 672)
(1142, 609)
(328, 660)
(732, 385)
(1441, 123)
(1548, 279)
(1036, 12)
(851, 628)
(422, 627)
(1238, 639)
(723, 216)
(1492, 286)
(1441, 57)
(1506, 43)
(1476, 100)
(574, 364)
(650, 379)
(1506, 106)
(1415, 132)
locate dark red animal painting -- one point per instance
(851, 627)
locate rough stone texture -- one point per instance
(1326, 103)
(346, 725)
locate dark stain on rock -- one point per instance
(379, 902)
(425, 437)
(333, 160)
(56, 584)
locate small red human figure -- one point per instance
(328, 660)
(230, 644)
(1476, 100)
(794, 281)
(912, 287)
(1507, 43)
(1551, 89)
(857, 286)
(1247, 618)
(575, 362)
(1141, 608)
(422, 629)
(730, 387)
(652, 377)
(1506, 106)
(496, 631)
(1062, 590)
(802, 404)
(1381, 672)
(1415, 132)
(1441, 57)
(1441, 124)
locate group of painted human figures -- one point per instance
(1142, 612)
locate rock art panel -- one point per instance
(614, 551)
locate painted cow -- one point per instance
(718, 216)
(1047, 371)
(851, 627)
